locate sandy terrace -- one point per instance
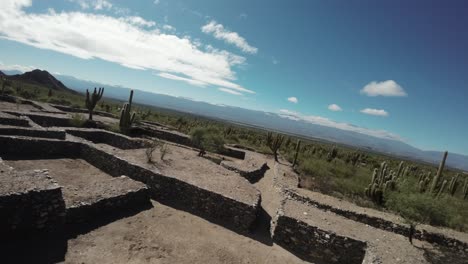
(386, 246)
(81, 181)
(16, 107)
(14, 181)
(167, 235)
(184, 164)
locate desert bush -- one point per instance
(59, 101)
(77, 120)
(164, 150)
(155, 144)
(207, 139)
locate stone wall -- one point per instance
(232, 213)
(109, 138)
(13, 121)
(289, 185)
(170, 190)
(252, 175)
(167, 135)
(82, 110)
(37, 148)
(317, 245)
(234, 153)
(29, 132)
(384, 224)
(29, 201)
(88, 212)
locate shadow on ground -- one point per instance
(443, 255)
(260, 229)
(52, 247)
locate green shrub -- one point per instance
(207, 139)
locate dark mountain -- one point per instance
(2, 74)
(42, 78)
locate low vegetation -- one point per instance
(366, 178)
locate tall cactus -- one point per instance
(441, 190)
(126, 118)
(274, 143)
(92, 100)
(4, 83)
(439, 172)
(298, 147)
(465, 188)
(453, 184)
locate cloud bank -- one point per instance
(323, 121)
(129, 41)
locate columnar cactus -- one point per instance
(453, 184)
(274, 143)
(298, 147)
(92, 100)
(439, 172)
(126, 118)
(442, 188)
(465, 188)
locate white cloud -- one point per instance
(16, 67)
(293, 100)
(89, 36)
(376, 112)
(385, 88)
(156, 2)
(229, 91)
(95, 4)
(318, 120)
(180, 78)
(138, 21)
(219, 32)
(335, 108)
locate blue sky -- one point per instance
(393, 69)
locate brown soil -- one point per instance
(82, 182)
(166, 235)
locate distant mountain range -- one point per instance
(271, 121)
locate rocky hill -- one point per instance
(43, 78)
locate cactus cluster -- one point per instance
(383, 180)
(274, 143)
(332, 154)
(92, 100)
(423, 182)
(126, 117)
